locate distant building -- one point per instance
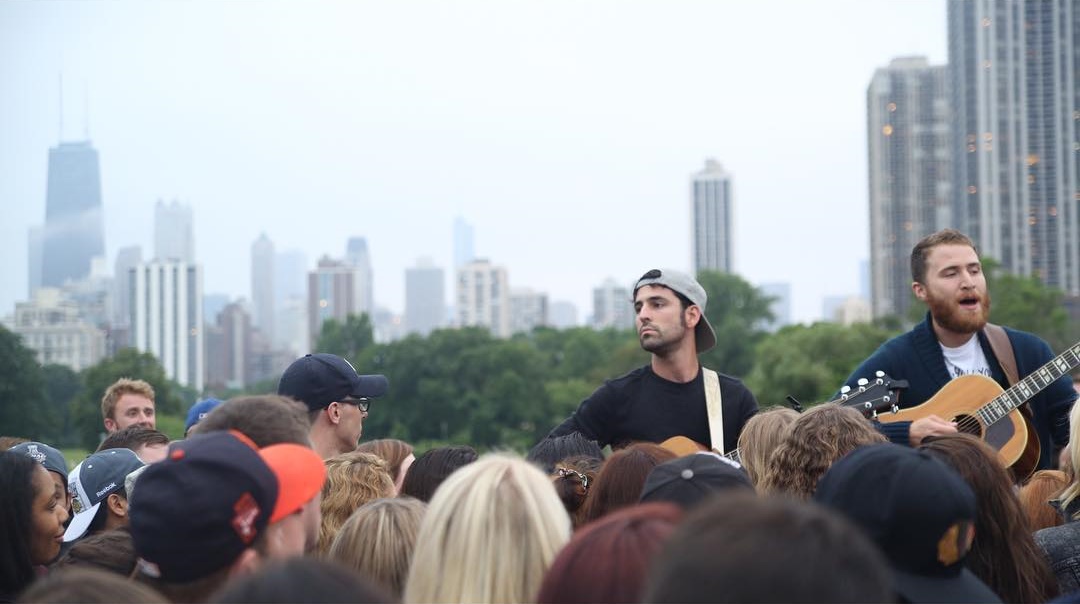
(781, 304)
(229, 348)
(612, 306)
(563, 314)
(853, 309)
(910, 170)
(74, 231)
(425, 300)
(291, 328)
(359, 258)
(262, 285)
(50, 324)
(464, 243)
(1014, 70)
(127, 258)
(167, 317)
(711, 211)
(387, 326)
(331, 295)
(174, 232)
(528, 310)
(213, 304)
(483, 297)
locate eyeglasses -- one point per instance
(362, 403)
(564, 472)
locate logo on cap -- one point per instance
(247, 510)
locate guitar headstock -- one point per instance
(870, 396)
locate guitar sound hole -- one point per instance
(968, 424)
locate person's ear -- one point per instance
(693, 315)
(110, 424)
(118, 506)
(919, 290)
(333, 412)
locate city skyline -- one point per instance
(565, 134)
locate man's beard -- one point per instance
(948, 314)
(661, 343)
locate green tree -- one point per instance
(348, 340)
(811, 362)
(22, 390)
(128, 363)
(1027, 303)
(738, 312)
(62, 386)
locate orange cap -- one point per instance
(300, 473)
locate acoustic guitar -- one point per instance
(979, 406)
(868, 396)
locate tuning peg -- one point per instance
(845, 390)
(863, 381)
(895, 409)
(879, 374)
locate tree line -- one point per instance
(466, 386)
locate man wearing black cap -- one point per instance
(667, 397)
(337, 398)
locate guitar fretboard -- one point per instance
(1028, 387)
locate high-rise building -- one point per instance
(74, 230)
(290, 302)
(1013, 68)
(483, 297)
(910, 172)
(331, 295)
(52, 326)
(359, 258)
(528, 310)
(612, 306)
(229, 348)
(711, 209)
(167, 317)
(174, 232)
(127, 258)
(262, 285)
(464, 243)
(563, 314)
(425, 299)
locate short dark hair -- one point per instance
(113, 551)
(923, 247)
(551, 451)
(133, 437)
(431, 469)
(301, 579)
(847, 566)
(267, 419)
(16, 504)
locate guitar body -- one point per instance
(683, 446)
(960, 401)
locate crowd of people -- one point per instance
(275, 498)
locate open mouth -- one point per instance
(969, 303)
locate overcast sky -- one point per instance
(566, 132)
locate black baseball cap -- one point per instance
(51, 458)
(690, 480)
(918, 511)
(320, 379)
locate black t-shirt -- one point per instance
(642, 406)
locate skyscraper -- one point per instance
(174, 233)
(711, 209)
(425, 300)
(262, 285)
(167, 317)
(910, 172)
(127, 258)
(528, 310)
(464, 243)
(358, 257)
(1013, 69)
(74, 230)
(612, 306)
(483, 297)
(330, 295)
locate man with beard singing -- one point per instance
(951, 342)
(667, 397)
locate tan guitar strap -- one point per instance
(1003, 350)
(714, 406)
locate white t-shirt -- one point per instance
(966, 359)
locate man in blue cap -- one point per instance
(337, 398)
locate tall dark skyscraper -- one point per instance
(74, 230)
(1015, 87)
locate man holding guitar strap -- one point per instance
(667, 397)
(952, 343)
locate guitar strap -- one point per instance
(714, 406)
(1003, 350)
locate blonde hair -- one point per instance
(118, 389)
(392, 450)
(352, 479)
(760, 436)
(1072, 491)
(378, 540)
(817, 439)
(490, 533)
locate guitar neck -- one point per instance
(1031, 385)
(734, 455)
